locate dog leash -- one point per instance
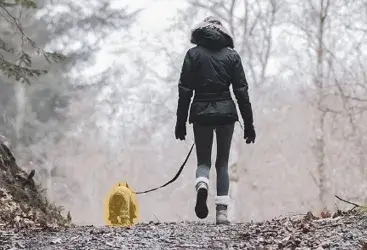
(174, 178)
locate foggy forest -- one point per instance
(88, 93)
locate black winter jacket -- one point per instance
(208, 70)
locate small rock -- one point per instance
(325, 244)
(56, 241)
(29, 223)
(305, 228)
(110, 244)
(19, 245)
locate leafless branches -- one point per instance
(21, 69)
(351, 203)
(338, 77)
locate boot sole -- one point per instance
(201, 208)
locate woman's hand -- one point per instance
(249, 134)
(180, 131)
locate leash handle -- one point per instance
(174, 178)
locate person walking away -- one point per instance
(209, 69)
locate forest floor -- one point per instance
(348, 231)
(29, 221)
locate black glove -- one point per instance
(180, 130)
(249, 134)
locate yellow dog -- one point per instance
(123, 208)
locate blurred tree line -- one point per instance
(83, 127)
(38, 88)
(305, 63)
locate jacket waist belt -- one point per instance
(219, 96)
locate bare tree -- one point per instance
(17, 49)
(52, 111)
(336, 87)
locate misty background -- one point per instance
(107, 113)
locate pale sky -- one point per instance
(156, 12)
(151, 21)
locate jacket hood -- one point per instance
(211, 34)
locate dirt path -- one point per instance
(348, 232)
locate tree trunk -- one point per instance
(319, 82)
(20, 95)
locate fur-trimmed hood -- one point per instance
(211, 34)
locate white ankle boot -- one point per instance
(222, 203)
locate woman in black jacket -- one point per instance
(209, 69)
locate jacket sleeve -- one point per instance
(240, 89)
(185, 89)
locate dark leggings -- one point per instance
(204, 142)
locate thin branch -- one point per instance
(351, 203)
